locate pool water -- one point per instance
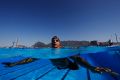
(43, 69)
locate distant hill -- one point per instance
(64, 44)
(39, 45)
(74, 43)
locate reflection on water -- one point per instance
(38, 53)
(47, 53)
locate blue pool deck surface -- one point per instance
(43, 69)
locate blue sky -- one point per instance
(39, 20)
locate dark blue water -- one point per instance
(42, 69)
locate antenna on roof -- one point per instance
(17, 43)
(13, 43)
(116, 37)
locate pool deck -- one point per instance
(42, 69)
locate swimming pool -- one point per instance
(42, 69)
